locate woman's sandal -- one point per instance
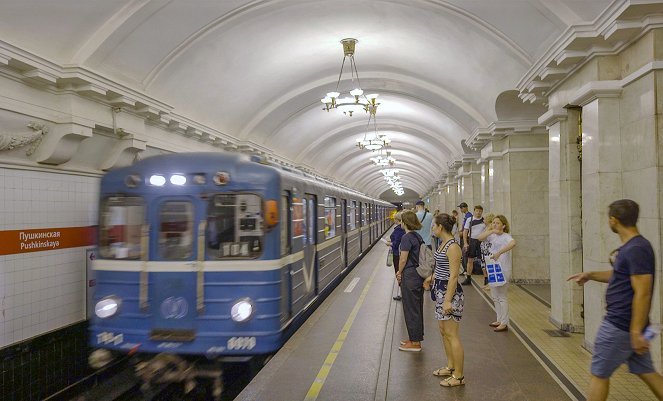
(445, 371)
(459, 381)
(494, 324)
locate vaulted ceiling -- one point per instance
(256, 70)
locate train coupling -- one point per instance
(169, 368)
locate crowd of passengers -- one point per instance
(460, 246)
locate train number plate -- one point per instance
(239, 343)
(110, 338)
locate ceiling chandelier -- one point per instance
(383, 161)
(378, 141)
(354, 101)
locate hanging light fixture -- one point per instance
(356, 101)
(376, 142)
(383, 161)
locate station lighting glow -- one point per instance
(157, 180)
(177, 179)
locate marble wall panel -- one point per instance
(529, 160)
(639, 144)
(638, 100)
(640, 185)
(526, 141)
(637, 54)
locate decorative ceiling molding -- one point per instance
(553, 116)
(500, 129)
(595, 90)
(619, 25)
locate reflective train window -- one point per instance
(120, 224)
(285, 224)
(176, 235)
(234, 226)
(330, 217)
(352, 214)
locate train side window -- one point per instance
(353, 215)
(234, 226)
(120, 222)
(285, 224)
(298, 222)
(176, 234)
(330, 217)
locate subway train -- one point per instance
(205, 256)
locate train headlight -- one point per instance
(157, 180)
(107, 307)
(242, 310)
(177, 179)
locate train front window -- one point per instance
(234, 226)
(120, 223)
(176, 234)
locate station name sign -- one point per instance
(46, 239)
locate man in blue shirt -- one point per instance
(426, 220)
(620, 338)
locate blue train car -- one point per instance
(218, 255)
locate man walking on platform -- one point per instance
(624, 335)
(465, 214)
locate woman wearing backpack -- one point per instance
(411, 283)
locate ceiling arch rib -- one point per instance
(362, 176)
(413, 133)
(377, 184)
(120, 19)
(273, 116)
(349, 165)
(259, 5)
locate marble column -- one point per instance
(601, 178)
(564, 215)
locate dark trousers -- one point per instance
(396, 260)
(413, 303)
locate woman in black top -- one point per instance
(411, 283)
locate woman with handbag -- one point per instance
(449, 300)
(499, 243)
(411, 283)
(395, 242)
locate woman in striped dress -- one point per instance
(448, 295)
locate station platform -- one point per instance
(348, 350)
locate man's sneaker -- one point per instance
(410, 347)
(467, 281)
(397, 298)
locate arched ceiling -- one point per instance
(255, 70)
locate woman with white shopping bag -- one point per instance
(498, 266)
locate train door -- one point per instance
(361, 223)
(310, 241)
(173, 296)
(344, 233)
(286, 249)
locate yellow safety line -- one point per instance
(316, 387)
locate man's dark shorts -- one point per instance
(474, 250)
(612, 348)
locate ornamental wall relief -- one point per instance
(14, 141)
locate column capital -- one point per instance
(596, 90)
(553, 116)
